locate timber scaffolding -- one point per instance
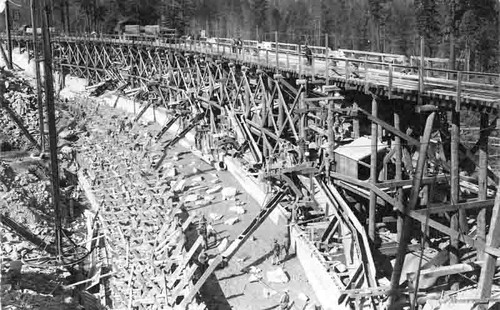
(355, 195)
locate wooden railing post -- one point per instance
(347, 70)
(277, 51)
(312, 67)
(287, 60)
(391, 69)
(327, 77)
(300, 60)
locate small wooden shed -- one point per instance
(353, 159)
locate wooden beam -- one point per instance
(483, 177)
(373, 171)
(492, 240)
(13, 115)
(455, 189)
(417, 215)
(406, 233)
(453, 269)
(400, 183)
(446, 207)
(392, 129)
(399, 156)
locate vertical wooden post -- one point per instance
(277, 51)
(483, 179)
(493, 240)
(399, 172)
(302, 106)
(347, 71)
(281, 110)
(300, 61)
(355, 121)
(455, 179)
(391, 71)
(406, 233)
(313, 74)
(38, 77)
(421, 71)
(373, 172)
(287, 60)
(49, 98)
(9, 38)
(327, 54)
(331, 135)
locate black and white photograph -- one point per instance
(249, 154)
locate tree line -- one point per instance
(465, 29)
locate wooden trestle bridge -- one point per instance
(273, 101)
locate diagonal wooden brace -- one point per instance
(13, 115)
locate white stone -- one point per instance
(214, 190)
(254, 270)
(195, 170)
(229, 193)
(215, 181)
(215, 216)
(172, 172)
(201, 203)
(340, 267)
(269, 292)
(303, 297)
(198, 179)
(253, 278)
(209, 198)
(191, 198)
(232, 221)
(179, 186)
(223, 245)
(277, 275)
(238, 210)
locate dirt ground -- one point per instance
(231, 287)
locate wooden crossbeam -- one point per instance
(392, 129)
(447, 207)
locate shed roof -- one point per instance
(359, 148)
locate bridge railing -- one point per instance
(389, 70)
